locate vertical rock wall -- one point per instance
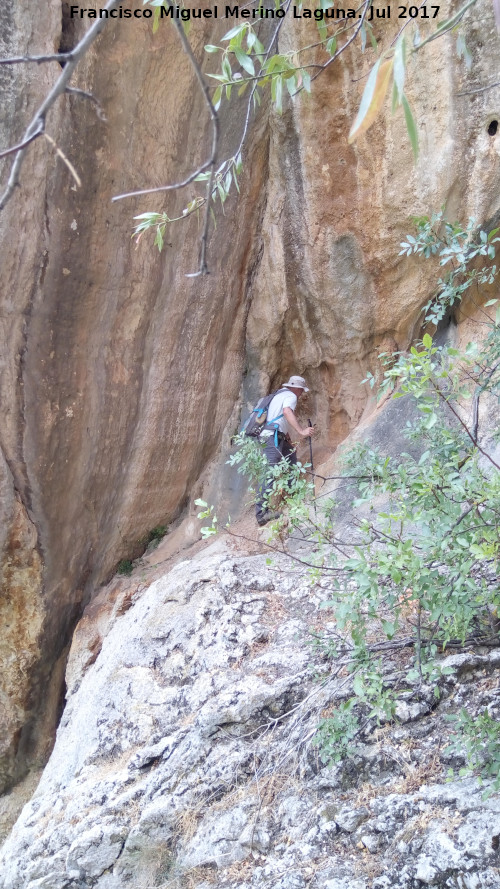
(119, 372)
(331, 291)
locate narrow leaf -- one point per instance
(331, 46)
(216, 98)
(226, 68)
(234, 32)
(322, 29)
(395, 98)
(411, 126)
(399, 68)
(373, 39)
(363, 36)
(245, 61)
(278, 95)
(306, 80)
(373, 97)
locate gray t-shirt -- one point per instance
(278, 404)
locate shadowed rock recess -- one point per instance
(184, 751)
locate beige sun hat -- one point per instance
(296, 383)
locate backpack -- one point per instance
(258, 418)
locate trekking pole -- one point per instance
(312, 465)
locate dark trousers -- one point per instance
(273, 455)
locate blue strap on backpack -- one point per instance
(257, 420)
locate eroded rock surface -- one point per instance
(185, 756)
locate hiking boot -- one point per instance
(268, 516)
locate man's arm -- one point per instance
(291, 419)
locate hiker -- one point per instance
(281, 420)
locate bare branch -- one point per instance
(65, 160)
(160, 188)
(482, 89)
(54, 57)
(25, 143)
(464, 426)
(398, 35)
(77, 92)
(203, 269)
(72, 59)
(357, 29)
(447, 26)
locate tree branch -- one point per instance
(72, 59)
(24, 144)
(212, 160)
(203, 269)
(357, 29)
(77, 92)
(215, 131)
(65, 160)
(481, 89)
(208, 164)
(54, 57)
(447, 26)
(464, 426)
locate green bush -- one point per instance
(478, 739)
(125, 567)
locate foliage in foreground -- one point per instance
(418, 568)
(478, 739)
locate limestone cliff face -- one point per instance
(120, 375)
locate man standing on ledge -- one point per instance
(281, 420)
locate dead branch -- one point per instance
(37, 123)
(77, 92)
(24, 144)
(464, 425)
(215, 128)
(53, 57)
(481, 89)
(64, 159)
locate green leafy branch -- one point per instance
(221, 182)
(477, 738)
(459, 247)
(289, 73)
(207, 512)
(283, 71)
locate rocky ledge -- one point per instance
(186, 755)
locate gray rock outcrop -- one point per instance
(186, 754)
